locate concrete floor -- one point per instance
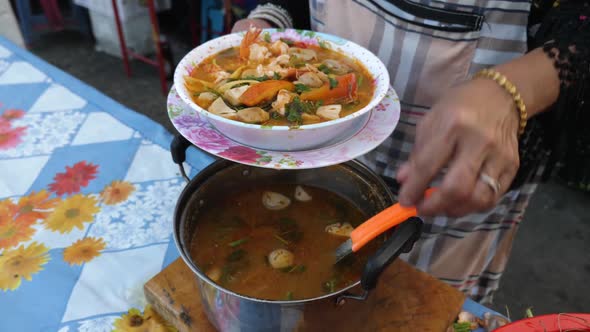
(549, 269)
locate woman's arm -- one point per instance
(472, 130)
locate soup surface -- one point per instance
(278, 247)
(280, 82)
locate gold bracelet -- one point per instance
(511, 89)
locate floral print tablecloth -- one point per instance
(87, 192)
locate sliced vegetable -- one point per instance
(345, 92)
(197, 85)
(237, 73)
(264, 91)
(297, 269)
(229, 85)
(289, 296)
(238, 242)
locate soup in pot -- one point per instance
(277, 242)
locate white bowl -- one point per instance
(285, 138)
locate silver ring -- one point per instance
(491, 182)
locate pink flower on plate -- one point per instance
(10, 137)
(381, 107)
(244, 154)
(208, 138)
(295, 37)
(13, 114)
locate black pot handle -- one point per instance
(402, 240)
(178, 149)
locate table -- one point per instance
(87, 190)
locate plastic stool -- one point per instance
(30, 23)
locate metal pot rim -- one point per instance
(211, 170)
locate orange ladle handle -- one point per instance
(383, 221)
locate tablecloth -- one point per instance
(87, 191)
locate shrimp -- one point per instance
(249, 39)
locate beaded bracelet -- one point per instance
(511, 89)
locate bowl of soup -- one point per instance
(283, 90)
(261, 243)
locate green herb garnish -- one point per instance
(238, 242)
(323, 68)
(289, 296)
(323, 44)
(329, 286)
(259, 79)
(275, 115)
(333, 82)
(266, 37)
(301, 88)
(276, 76)
(462, 327)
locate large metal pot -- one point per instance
(229, 311)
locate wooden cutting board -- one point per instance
(406, 300)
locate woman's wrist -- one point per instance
(536, 79)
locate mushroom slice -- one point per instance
(205, 99)
(302, 195)
(304, 54)
(329, 112)
(340, 229)
(233, 95)
(253, 115)
(281, 258)
(220, 108)
(311, 79)
(275, 201)
(337, 67)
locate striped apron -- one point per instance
(428, 46)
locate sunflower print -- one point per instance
(116, 192)
(72, 212)
(134, 321)
(21, 263)
(83, 251)
(35, 206)
(13, 230)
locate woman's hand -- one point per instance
(472, 130)
(244, 24)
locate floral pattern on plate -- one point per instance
(195, 128)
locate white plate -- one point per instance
(194, 127)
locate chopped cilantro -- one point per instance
(323, 68)
(323, 44)
(276, 76)
(295, 108)
(296, 62)
(259, 79)
(301, 88)
(333, 82)
(275, 115)
(266, 37)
